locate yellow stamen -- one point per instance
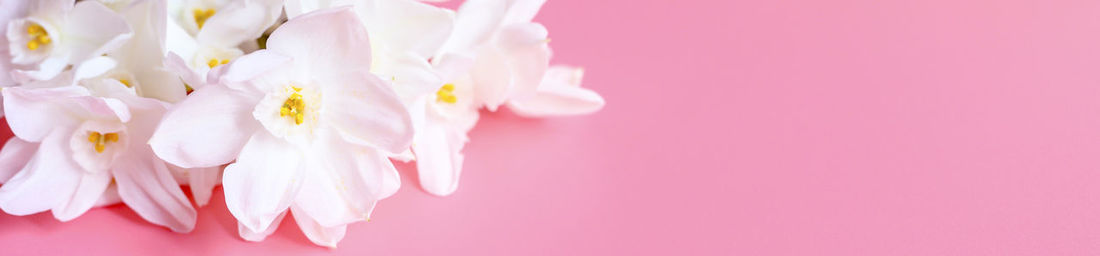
(38, 35)
(215, 62)
(202, 15)
(100, 141)
(294, 107)
(446, 94)
(126, 82)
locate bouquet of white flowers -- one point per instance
(290, 105)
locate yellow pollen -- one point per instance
(202, 15)
(126, 82)
(446, 94)
(100, 140)
(214, 62)
(294, 107)
(38, 35)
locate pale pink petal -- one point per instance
(48, 180)
(209, 128)
(366, 111)
(146, 185)
(255, 236)
(14, 155)
(326, 42)
(326, 236)
(264, 180)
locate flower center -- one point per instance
(101, 140)
(214, 62)
(201, 15)
(126, 82)
(294, 107)
(446, 94)
(38, 35)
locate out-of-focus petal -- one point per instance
(559, 94)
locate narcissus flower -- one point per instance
(307, 124)
(495, 56)
(55, 34)
(83, 143)
(209, 33)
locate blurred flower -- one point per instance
(306, 123)
(56, 33)
(208, 33)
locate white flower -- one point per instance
(56, 34)
(496, 55)
(404, 35)
(306, 123)
(209, 33)
(81, 143)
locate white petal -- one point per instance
(175, 63)
(209, 128)
(257, 73)
(475, 22)
(326, 42)
(48, 180)
(411, 26)
(255, 236)
(264, 180)
(559, 94)
(14, 155)
(326, 236)
(110, 196)
(31, 114)
(412, 76)
(93, 29)
(88, 192)
(146, 185)
(521, 11)
(343, 182)
(438, 147)
(366, 111)
(239, 21)
(202, 182)
(525, 46)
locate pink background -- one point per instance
(779, 127)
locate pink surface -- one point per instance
(781, 127)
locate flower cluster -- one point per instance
(293, 106)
